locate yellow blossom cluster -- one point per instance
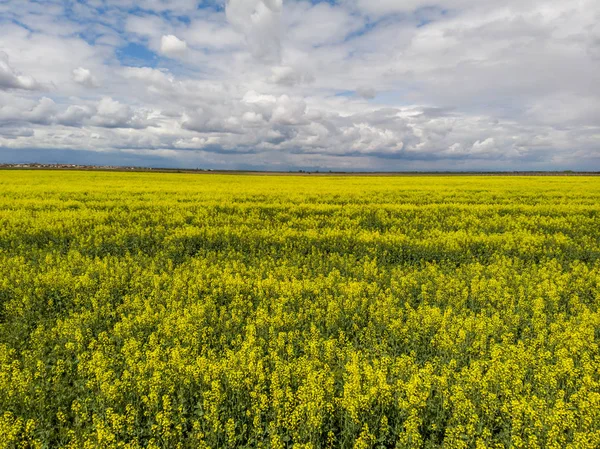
(148, 310)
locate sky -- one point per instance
(382, 85)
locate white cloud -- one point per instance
(172, 46)
(75, 115)
(260, 22)
(84, 77)
(289, 111)
(289, 76)
(146, 74)
(210, 120)
(251, 118)
(146, 25)
(24, 111)
(308, 25)
(113, 114)
(10, 78)
(213, 33)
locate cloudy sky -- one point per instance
(341, 85)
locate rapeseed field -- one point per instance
(147, 310)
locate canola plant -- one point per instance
(146, 310)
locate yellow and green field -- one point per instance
(219, 311)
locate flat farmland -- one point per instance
(164, 310)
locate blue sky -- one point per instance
(271, 84)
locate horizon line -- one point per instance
(183, 170)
